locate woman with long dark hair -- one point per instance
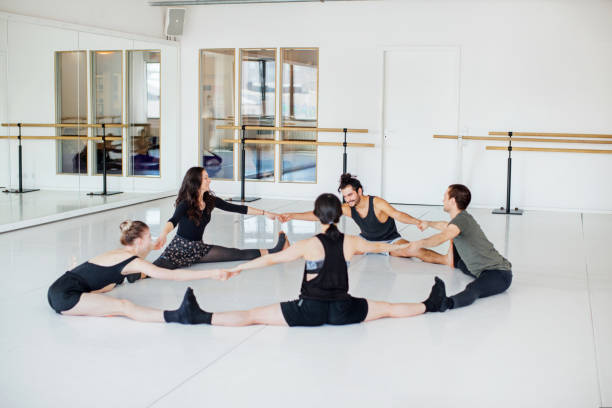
(324, 297)
(81, 291)
(194, 205)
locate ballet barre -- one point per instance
(537, 137)
(244, 141)
(102, 138)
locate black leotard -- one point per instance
(188, 229)
(66, 291)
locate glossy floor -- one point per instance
(547, 342)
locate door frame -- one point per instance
(383, 52)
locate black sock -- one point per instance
(133, 277)
(437, 300)
(189, 312)
(280, 244)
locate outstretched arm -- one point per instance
(439, 225)
(360, 245)
(451, 231)
(292, 253)
(143, 266)
(394, 212)
(304, 216)
(242, 209)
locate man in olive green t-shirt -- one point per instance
(470, 251)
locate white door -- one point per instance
(421, 98)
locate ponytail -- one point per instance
(333, 232)
(328, 210)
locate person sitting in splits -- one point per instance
(470, 250)
(375, 217)
(324, 297)
(194, 205)
(79, 292)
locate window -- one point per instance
(71, 107)
(257, 108)
(217, 69)
(107, 106)
(143, 135)
(300, 83)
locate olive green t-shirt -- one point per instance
(476, 251)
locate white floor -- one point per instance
(544, 343)
(39, 207)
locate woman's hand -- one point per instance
(159, 244)
(222, 274)
(271, 215)
(423, 225)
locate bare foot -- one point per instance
(450, 257)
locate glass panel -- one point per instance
(107, 106)
(144, 84)
(258, 106)
(300, 72)
(217, 69)
(71, 107)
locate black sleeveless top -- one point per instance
(331, 282)
(371, 228)
(97, 276)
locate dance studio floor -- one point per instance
(547, 342)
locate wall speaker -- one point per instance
(174, 21)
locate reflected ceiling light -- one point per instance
(211, 2)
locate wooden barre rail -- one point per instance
(524, 139)
(294, 129)
(62, 138)
(586, 135)
(67, 125)
(297, 142)
(549, 149)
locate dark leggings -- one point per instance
(216, 254)
(490, 282)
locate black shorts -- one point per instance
(65, 292)
(310, 312)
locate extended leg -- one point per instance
(270, 315)
(489, 283)
(425, 255)
(91, 304)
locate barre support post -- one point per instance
(21, 190)
(344, 154)
(104, 191)
(242, 198)
(507, 210)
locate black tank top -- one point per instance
(97, 276)
(371, 228)
(331, 282)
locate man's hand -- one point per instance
(284, 217)
(423, 225)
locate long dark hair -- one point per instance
(189, 193)
(328, 210)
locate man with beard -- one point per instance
(375, 218)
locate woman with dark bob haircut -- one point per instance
(324, 297)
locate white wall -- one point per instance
(30, 45)
(130, 16)
(525, 66)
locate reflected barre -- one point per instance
(244, 141)
(297, 142)
(102, 139)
